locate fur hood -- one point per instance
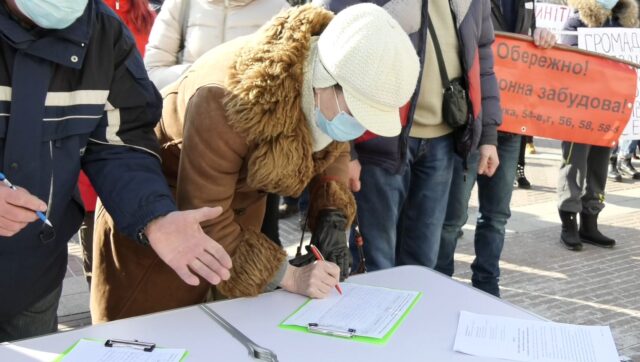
(263, 103)
(593, 15)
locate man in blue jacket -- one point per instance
(74, 94)
(406, 179)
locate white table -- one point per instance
(427, 334)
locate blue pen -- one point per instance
(40, 214)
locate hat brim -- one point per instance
(382, 121)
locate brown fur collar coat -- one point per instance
(264, 102)
(594, 15)
(232, 129)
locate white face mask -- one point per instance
(607, 4)
(52, 14)
(342, 127)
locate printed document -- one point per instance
(88, 350)
(371, 311)
(529, 340)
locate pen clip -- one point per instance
(344, 333)
(145, 346)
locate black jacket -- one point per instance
(70, 99)
(525, 18)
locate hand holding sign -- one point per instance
(544, 38)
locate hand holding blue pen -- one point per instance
(40, 214)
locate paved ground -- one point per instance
(595, 286)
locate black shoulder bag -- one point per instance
(455, 102)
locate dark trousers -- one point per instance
(40, 318)
(523, 147)
(85, 234)
(270, 225)
(583, 177)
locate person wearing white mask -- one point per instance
(74, 95)
(266, 113)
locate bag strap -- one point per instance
(444, 77)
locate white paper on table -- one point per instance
(371, 311)
(87, 350)
(530, 340)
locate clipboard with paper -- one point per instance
(89, 349)
(362, 313)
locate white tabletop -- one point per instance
(427, 334)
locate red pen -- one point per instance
(319, 256)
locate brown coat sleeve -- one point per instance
(210, 163)
(329, 188)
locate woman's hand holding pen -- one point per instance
(17, 209)
(313, 280)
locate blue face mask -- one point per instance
(52, 14)
(607, 4)
(342, 127)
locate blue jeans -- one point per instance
(494, 196)
(401, 215)
(625, 149)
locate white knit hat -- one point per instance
(366, 51)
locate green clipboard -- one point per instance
(371, 340)
(70, 349)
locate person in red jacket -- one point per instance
(138, 17)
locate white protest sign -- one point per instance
(551, 16)
(622, 43)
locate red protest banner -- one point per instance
(562, 93)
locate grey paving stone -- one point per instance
(75, 296)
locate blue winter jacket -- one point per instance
(71, 99)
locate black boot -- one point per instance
(589, 232)
(614, 174)
(627, 169)
(569, 236)
(521, 179)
